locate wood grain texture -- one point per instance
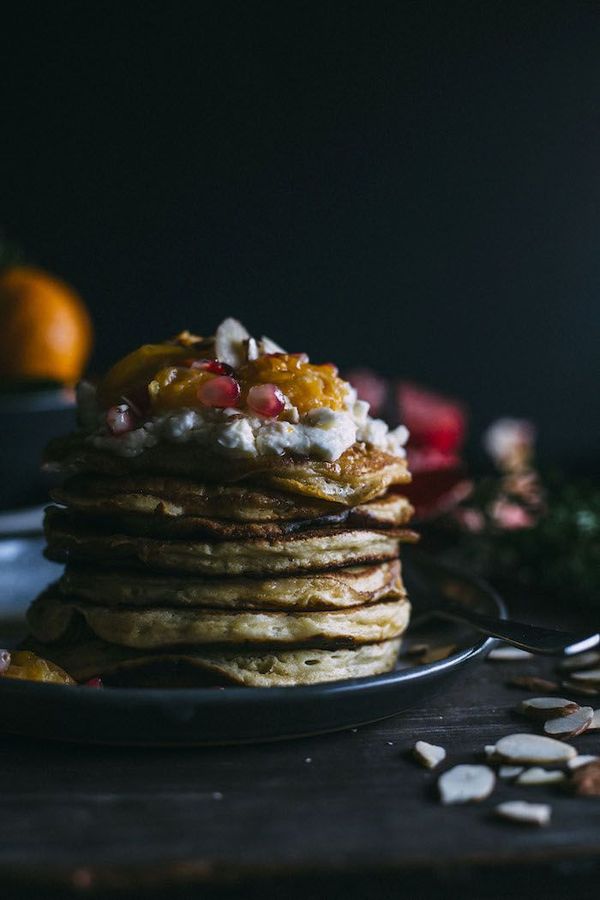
(360, 818)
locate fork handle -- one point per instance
(547, 641)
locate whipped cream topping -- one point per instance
(323, 433)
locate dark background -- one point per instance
(413, 186)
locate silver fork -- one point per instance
(429, 602)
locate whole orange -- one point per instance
(45, 328)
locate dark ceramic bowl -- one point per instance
(29, 418)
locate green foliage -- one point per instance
(560, 553)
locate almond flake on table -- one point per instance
(546, 707)
(510, 771)
(581, 688)
(466, 784)
(533, 683)
(581, 661)
(589, 676)
(533, 748)
(429, 755)
(508, 654)
(537, 775)
(583, 760)
(525, 813)
(571, 725)
(585, 780)
(595, 723)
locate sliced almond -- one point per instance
(571, 725)
(547, 707)
(230, 343)
(510, 771)
(533, 748)
(580, 688)
(465, 784)
(588, 676)
(266, 345)
(581, 661)
(251, 350)
(429, 755)
(508, 654)
(584, 760)
(537, 775)
(586, 780)
(533, 683)
(595, 723)
(525, 813)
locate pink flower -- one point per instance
(525, 486)
(510, 443)
(510, 516)
(470, 519)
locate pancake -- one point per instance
(212, 529)
(325, 548)
(393, 510)
(324, 590)
(360, 474)
(157, 507)
(168, 497)
(189, 667)
(50, 617)
(391, 515)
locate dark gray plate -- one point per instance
(228, 715)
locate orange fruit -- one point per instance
(45, 328)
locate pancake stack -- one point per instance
(184, 568)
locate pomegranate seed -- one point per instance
(94, 682)
(210, 365)
(221, 392)
(266, 400)
(121, 419)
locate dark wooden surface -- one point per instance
(349, 814)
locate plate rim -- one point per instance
(234, 694)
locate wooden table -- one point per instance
(349, 814)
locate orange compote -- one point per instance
(307, 386)
(134, 372)
(158, 378)
(29, 666)
(174, 387)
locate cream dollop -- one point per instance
(322, 433)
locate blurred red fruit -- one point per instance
(434, 421)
